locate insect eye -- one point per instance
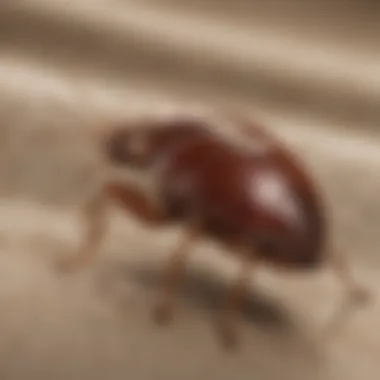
(124, 147)
(114, 147)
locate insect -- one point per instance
(252, 195)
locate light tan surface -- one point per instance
(67, 66)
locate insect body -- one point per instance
(240, 196)
(257, 201)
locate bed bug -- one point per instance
(252, 195)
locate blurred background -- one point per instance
(308, 70)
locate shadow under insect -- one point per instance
(201, 290)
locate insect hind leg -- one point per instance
(356, 295)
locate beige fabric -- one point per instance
(308, 70)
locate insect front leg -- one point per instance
(94, 218)
(135, 201)
(126, 195)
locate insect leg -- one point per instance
(94, 213)
(356, 294)
(173, 273)
(131, 198)
(233, 302)
(136, 202)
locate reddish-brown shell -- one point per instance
(234, 191)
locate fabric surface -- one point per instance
(308, 70)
